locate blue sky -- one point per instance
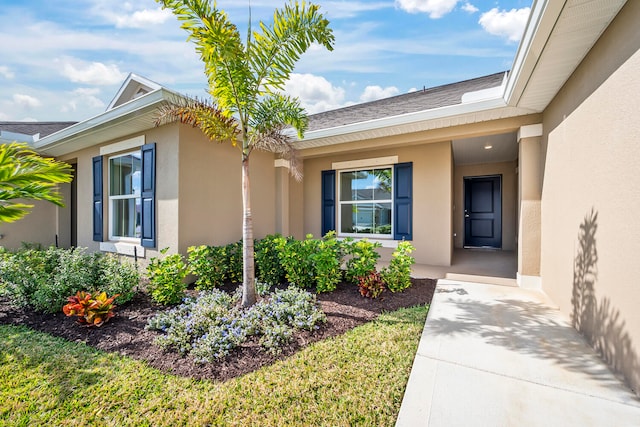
(66, 59)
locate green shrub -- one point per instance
(363, 258)
(269, 269)
(166, 278)
(296, 257)
(234, 262)
(371, 285)
(209, 264)
(43, 279)
(116, 276)
(397, 276)
(327, 262)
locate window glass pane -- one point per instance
(126, 217)
(365, 218)
(125, 175)
(374, 184)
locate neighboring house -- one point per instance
(541, 160)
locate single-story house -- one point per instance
(540, 160)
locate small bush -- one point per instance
(397, 276)
(166, 278)
(363, 258)
(209, 264)
(371, 285)
(327, 261)
(211, 326)
(269, 269)
(116, 276)
(234, 261)
(91, 310)
(296, 257)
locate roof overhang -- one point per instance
(135, 116)
(9, 137)
(557, 37)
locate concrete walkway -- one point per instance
(494, 355)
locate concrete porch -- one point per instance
(489, 266)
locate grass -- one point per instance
(355, 379)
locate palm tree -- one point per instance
(24, 175)
(245, 82)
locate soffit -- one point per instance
(577, 28)
(468, 151)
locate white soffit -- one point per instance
(577, 28)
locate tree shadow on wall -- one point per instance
(600, 322)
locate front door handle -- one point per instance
(466, 215)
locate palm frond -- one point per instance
(202, 114)
(278, 47)
(25, 175)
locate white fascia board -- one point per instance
(404, 119)
(113, 115)
(542, 19)
(8, 137)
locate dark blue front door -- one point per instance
(483, 211)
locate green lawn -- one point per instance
(355, 379)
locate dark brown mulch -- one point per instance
(125, 333)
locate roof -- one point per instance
(34, 128)
(426, 99)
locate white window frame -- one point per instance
(111, 198)
(340, 202)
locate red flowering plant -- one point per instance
(90, 310)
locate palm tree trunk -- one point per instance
(248, 270)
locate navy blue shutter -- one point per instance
(403, 203)
(328, 201)
(148, 190)
(97, 200)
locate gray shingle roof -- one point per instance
(421, 100)
(32, 128)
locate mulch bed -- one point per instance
(125, 333)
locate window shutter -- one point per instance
(403, 201)
(148, 184)
(97, 200)
(328, 201)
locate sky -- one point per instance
(65, 60)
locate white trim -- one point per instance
(111, 198)
(358, 164)
(341, 202)
(529, 282)
(281, 163)
(529, 131)
(127, 144)
(123, 248)
(385, 243)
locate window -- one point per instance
(366, 202)
(125, 196)
(371, 201)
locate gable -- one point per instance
(133, 87)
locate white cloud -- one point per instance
(508, 24)
(4, 117)
(26, 101)
(142, 18)
(316, 93)
(6, 72)
(83, 98)
(95, 73)
(349, 9)
(468, 7)
(435, 8)
(371, 93)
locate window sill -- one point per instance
(123, 248)
(385, 243)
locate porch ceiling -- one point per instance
(503, 148)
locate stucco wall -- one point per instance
(39, 226)
(591, 196)
(509, 199)
(432, 198)
(211, 191)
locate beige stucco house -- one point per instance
(540, 160)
